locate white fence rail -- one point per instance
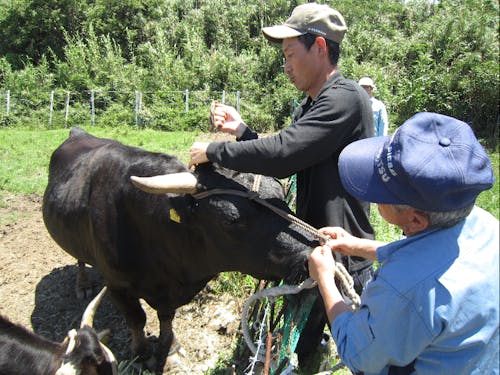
(140, 108)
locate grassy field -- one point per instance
(25, 154)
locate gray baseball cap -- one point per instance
(318, 19)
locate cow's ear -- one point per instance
(175, 183)
(104, 335)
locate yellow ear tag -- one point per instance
(174, 216)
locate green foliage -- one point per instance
(29, 29)
(424, 56)
(423, 59)
(234, 283)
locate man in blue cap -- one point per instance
(433, 304)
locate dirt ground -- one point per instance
(37, 290)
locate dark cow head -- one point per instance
(85, 353)
(224, 206)
(81, 352)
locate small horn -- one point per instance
(88, 315)
(177, 183)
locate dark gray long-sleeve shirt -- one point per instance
(310, 147)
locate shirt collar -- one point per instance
(387, 251)
(334, 78)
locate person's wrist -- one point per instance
(240, 129)
(326, 279)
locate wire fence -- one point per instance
(59, 108)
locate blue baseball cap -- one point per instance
(432, 162)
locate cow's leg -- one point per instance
(168, 348)
(135, 317)
(83, 282)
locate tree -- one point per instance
(32, 28)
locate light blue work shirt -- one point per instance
(434, 300)
(380, 119)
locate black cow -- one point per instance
(22, 352)
(163, 248)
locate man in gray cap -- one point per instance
(335, 112)
(432, 306)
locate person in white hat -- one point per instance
(432, 306)
(335, 112)
(380, 119)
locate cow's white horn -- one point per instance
(176, 183)
(88, 315)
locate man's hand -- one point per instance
(227, 119)
(321, 263)
(322, 268)
(345, 243)
(198, 153)
(340, 240)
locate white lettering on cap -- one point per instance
(386, 173)
(316, 31)
(381, 171)
(390, 166)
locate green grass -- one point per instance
(489, 199)
(25, 154)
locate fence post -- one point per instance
(66, 109)
(51, 111)
(7, 102)
(186, 93)
(92, 108)
(238, 100)
(223, 96)
(138, 107)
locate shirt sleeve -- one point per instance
(385, 120)
(387, 330)
(329, 125)
(248, 134)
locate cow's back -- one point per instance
(88, 180)
(65, 200)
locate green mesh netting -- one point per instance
(295, 318)
(299, 306)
